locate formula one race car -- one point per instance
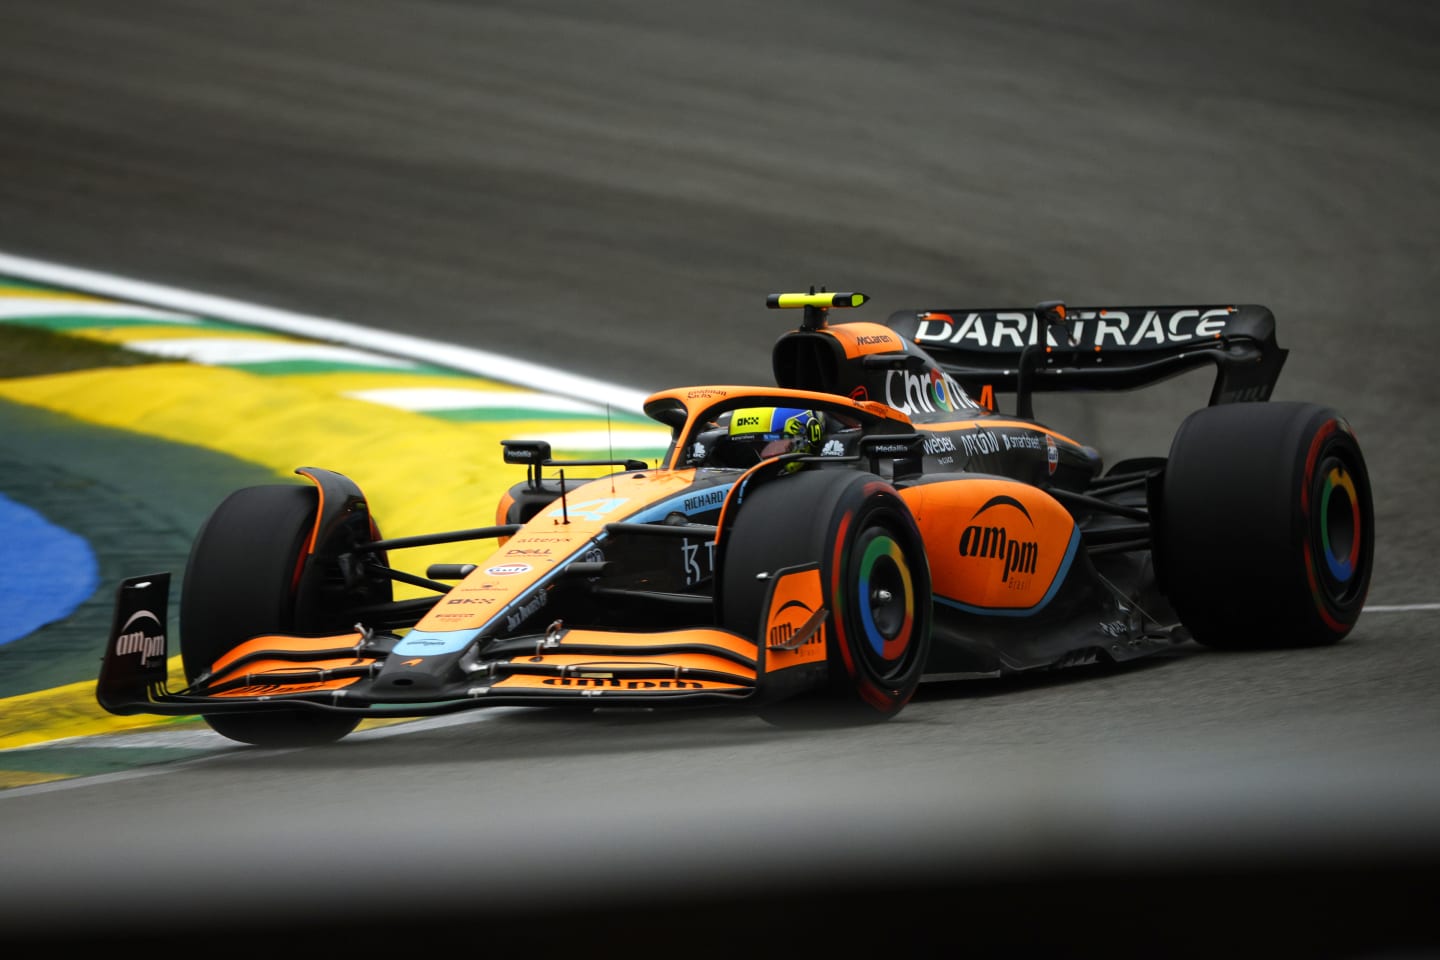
(835, 539)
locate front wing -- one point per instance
(356, 673)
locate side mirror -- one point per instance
(529, 452)
(905, 449)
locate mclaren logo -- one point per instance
(996, 542)
(149, 643)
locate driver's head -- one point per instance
(758, 433)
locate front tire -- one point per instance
(875, 582)
(1266, 526)
(242, 579)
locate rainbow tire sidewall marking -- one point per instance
(879, 641)
(1340, 515)
(882, 565)
(1339, 526)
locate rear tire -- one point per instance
(242, 579)
(875, 583)
(1266, 526)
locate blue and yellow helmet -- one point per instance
(758, 433)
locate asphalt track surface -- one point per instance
(611, 190)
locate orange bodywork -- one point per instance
(993, 544)
(795, 602)
(502, 510)
(551, 537)
(269, 673)
(583, 681)
(861, 339)
(613, 654)
(722, 640)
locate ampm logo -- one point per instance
(611, 683)
(149, 644)
(787, 623)
(996, 543)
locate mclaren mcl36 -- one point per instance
(871, 521)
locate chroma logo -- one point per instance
(926, 393)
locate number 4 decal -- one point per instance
(590, 509)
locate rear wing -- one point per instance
(1052, 347)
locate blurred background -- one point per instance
(613, 188)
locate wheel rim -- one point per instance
(885, 611)
(1339, 523)
(1338, 526)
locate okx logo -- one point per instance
(993, 540)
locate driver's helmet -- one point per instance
(746, 436)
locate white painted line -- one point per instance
(450, 356)
(216, 747)
(12, 307)
(1402, 608)
(454, 357)
(422, 399)
(84, 782)
(220, 351)
(421, 724)
(191, 737)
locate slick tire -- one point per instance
(241, 580)
(875, 584)
(1266, 526)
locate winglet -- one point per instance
(815, 304)
(135, 656)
